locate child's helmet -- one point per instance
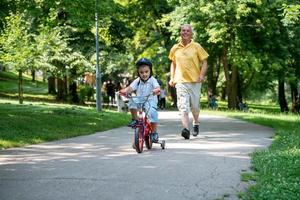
(144, 61)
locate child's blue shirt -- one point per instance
(145, 88)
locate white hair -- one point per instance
(187, 25)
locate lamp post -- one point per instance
(98, 69)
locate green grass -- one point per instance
(35, 123)
(276, 170)
(33, 91)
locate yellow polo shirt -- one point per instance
(188, 60)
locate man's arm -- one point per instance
(172, 72)
(203, 71)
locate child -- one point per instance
(144, 85)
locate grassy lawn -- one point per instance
(276, 171)
(32, 123)
(37, 121)
(33, 91)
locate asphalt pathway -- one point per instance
(103, 166)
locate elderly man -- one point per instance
(188, 69)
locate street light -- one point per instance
(98, 69)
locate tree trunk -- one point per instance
(240, 88)
(61, 93)
(223, 93)
(73, 92)
(295, 98)
(233, 99)
(73, 86)
(44, 75)
(281, 95)
(231, 81)
(210, 81)
(226, 72)
(2, 68)
(33, 75)
(20, 86)
(51, 85)
(66, 86)
(213, 77)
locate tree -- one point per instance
(291, 21)
(16, 49)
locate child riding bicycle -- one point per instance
(144, 85)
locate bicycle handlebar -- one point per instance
(129, 95)
(143, 99)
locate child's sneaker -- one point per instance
(185, 133)
(132, 123)
(195, 130)
(154, 137)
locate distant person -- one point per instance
(172, 92)
(212, 101)
(188, 69)
(162, 99)
(243, 107)
(104, 92)
(144, 85)
(110, 91)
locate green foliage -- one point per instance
(86, 93)
(291, 14)
(16, 49)
(5, 7)
(59, 36)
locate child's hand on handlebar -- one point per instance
(124, 93)
(156, 91)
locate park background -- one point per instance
(48, 51)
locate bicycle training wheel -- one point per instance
(163, 144)
(148, 141)
(138, 139)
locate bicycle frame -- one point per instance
(143, 127)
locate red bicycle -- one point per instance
(142, 129)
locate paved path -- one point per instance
(103, 166)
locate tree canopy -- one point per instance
(253, 44)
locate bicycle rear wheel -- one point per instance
(139, 139)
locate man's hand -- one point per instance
(171, 83)
(201, 78)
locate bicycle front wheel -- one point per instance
(148, 141)
(139, 139)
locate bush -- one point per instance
(86, 93)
